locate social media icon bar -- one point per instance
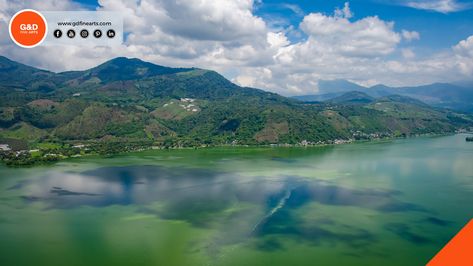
(111, 34)
(84, 33)
(57, 33)
(71, 34)
(29, 28)
(97, 33)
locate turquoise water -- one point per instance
(380, 203)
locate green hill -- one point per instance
(128, 100)
(353, 97)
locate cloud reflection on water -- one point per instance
(213, 199)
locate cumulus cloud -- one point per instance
(345, 12)
(369, 36)
(335, 48)
(464, 55)
(205, 20)
(410, 35)
(204, 33)
(42, 57)
(228, 37)
(10, 7)
(357, 51)
(465, 47)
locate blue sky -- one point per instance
(438, 30)
(280, 46)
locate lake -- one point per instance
(391, 202)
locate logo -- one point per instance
(71, 34)
(28, 28)
(111, 34)
(84, 33)
(98, 33)
(58, 33)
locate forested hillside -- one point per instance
(128, 100)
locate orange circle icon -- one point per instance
(28, 28)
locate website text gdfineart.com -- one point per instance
(85, 23)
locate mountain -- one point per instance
(121, 69)
(337, 85)
(128, 100)
(442, 95)
(381, 91)
(352, 97)
(318, 97)
(329, 89)
(402, 99)
(14, 74)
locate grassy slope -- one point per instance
(131, 99)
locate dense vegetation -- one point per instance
(128, 104)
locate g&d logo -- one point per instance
(28, 28)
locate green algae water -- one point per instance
(380, 203)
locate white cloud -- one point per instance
(407, 53)
(358, 51)
(204, 33)
(442, 6)
(228, 37)
(410, 35)
(42, 57)
(294, 8)
(252, 80)
(369, 36)
(205, 19)
(335, 48)
(277, 39)
(465, 47)
(464, 55)
(345, 12)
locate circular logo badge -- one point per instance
(28, 28)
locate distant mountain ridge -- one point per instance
(354, 97)
(442, 95)
(122, 68)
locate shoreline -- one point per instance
(50, 160)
